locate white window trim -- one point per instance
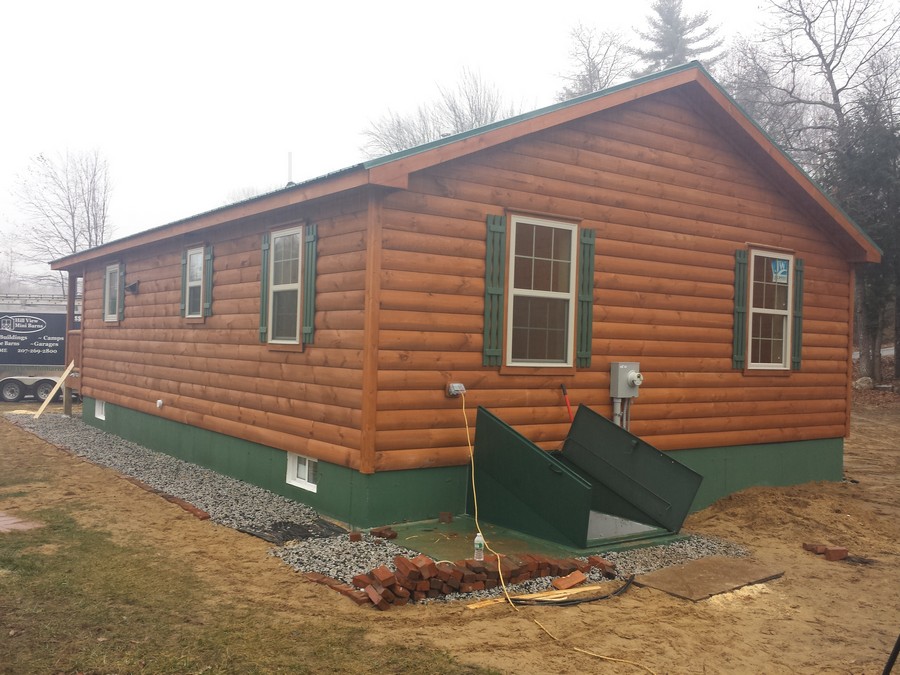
(285, 287)
(513, 292)
(785, 363)
(111, 292)
(293, 463)
(189, 284)
(99, 409)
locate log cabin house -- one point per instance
(304, 340)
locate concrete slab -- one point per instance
(701, 579)
(10, 523)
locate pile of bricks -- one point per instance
(415, 579)
(830, 552)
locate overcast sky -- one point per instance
(192, 102)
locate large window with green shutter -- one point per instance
(196, 282)
(768, 310)
(287, 286)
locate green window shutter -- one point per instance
(310, 252)
(494, 281)
(184, 280)
(207, 280)
(797, 332)
(264, 290)
(121, 291)
(739, 345)
(584, 329)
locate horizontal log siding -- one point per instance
(670, 202)
(216, 374)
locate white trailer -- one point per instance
(32, 345)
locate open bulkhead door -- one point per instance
(605, 486)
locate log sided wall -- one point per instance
(214, 374)
(399, 307)
(670, 201)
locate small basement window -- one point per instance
(302, 472)
(100, 410)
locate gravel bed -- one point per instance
(245, 507)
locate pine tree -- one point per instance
(675, 38)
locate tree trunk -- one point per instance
(861, 318)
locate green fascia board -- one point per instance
(346, 495)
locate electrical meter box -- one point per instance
(625, 379)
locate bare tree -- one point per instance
(65, 200)
(472, 103)
(598, 61)
(824, 55)
(824, 61)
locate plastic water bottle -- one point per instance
(479, 547)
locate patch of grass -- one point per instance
(74, 601)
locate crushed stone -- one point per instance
(324, 548)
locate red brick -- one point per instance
(360, 597)
(423, 585)
(315, 577)
(400, 592)
(418, 596)
(376, 598)
(388, 595)
(383, 575)
(399, 602)
(445, 517)
(406, 567)
(426, 566)
(466, 588)
(490, 583)
(355, 536)
(362, 580)
(573, 579)
(406, 583)
(835, 553)
(435, 582)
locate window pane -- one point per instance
(301, 468)
(525, 239)
(312, 471)
(284, 314)
(286, 259)
(543, 242)
(523, 277)
(540, 329)
(543, 274)
(561, 272)
(195, 266)
(112, 292)
(193, 307)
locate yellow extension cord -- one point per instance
(500, 571)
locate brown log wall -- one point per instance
(670, 201)
(215, 374)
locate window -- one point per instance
(541, 311)
(302, 472)
(193, 283)
(113, 293)
(284, 287)
(100, 409)
(771, 299)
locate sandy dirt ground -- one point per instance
(820, 617)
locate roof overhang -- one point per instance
(393, 171)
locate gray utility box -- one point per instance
(624, 379)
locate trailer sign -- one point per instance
(33, 339)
